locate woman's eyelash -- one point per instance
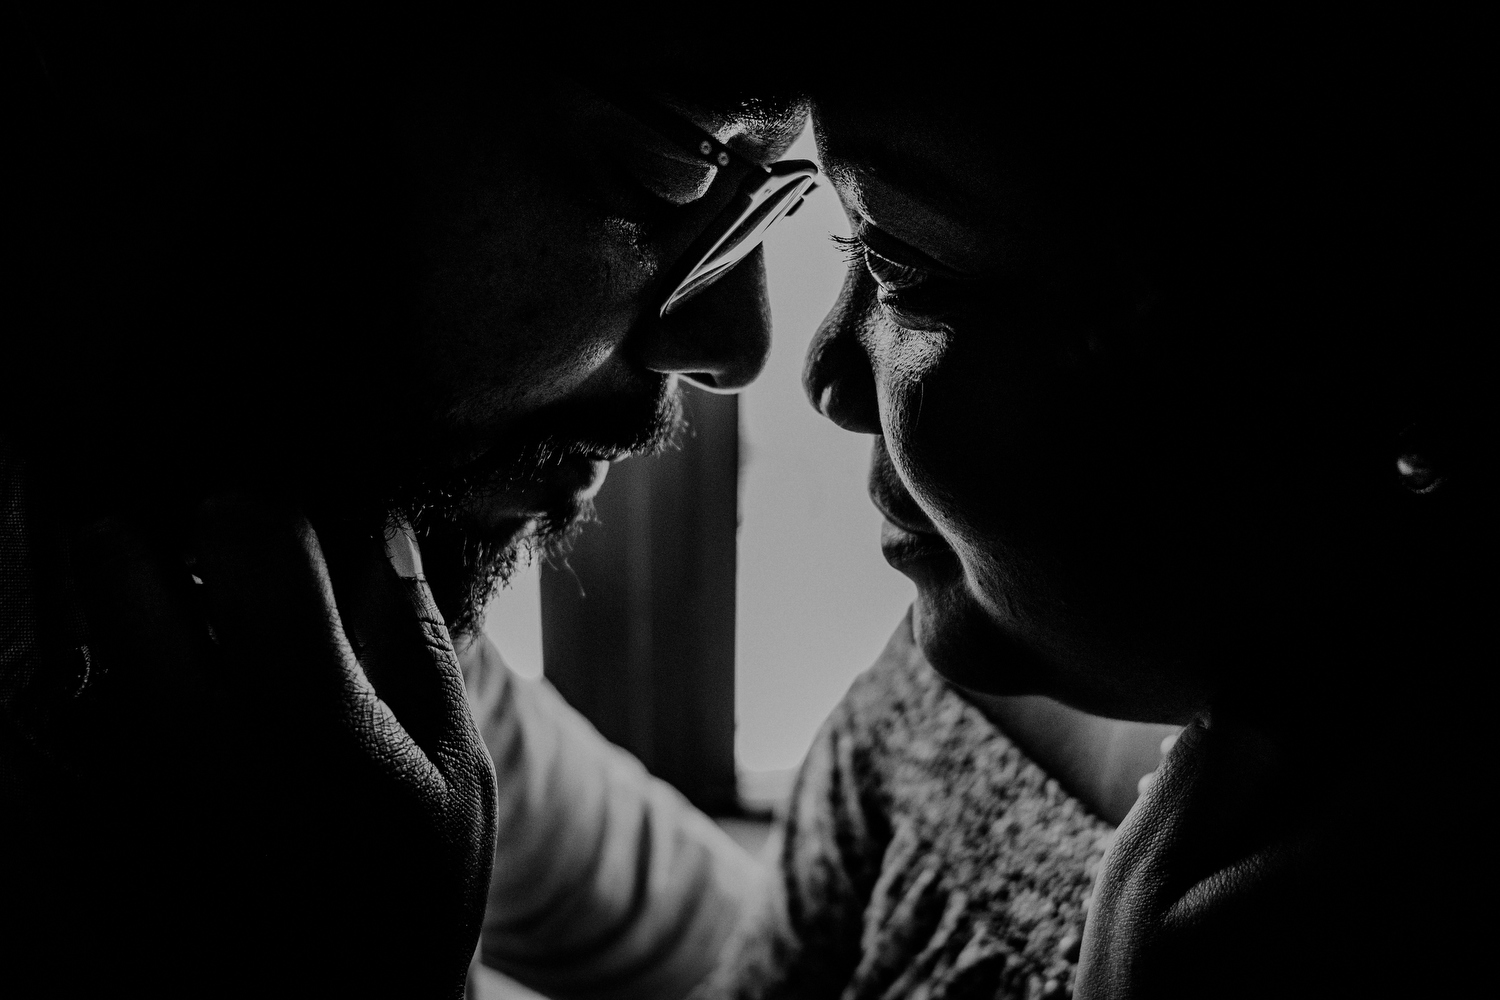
(857, 251)
(852, 247)
(903, 287)
(888, 275)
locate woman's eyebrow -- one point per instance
(884, 244)
(927, 219)
(898, 169)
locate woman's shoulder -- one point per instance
(985, 857)
(907, 721)
(943, 770)
(900, 697)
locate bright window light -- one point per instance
(816, 600)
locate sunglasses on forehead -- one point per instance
(763, 196)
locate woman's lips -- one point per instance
(908, 535)
(903, 548)
(904, 521)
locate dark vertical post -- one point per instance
(638, 620)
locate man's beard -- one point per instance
(466, 556)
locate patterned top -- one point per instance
(923, 856)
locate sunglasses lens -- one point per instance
(746, 233)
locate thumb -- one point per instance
(400, 640)
(269, 596)
(1194, 835)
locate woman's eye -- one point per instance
(892, 276)
(909, 295)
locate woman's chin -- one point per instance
(965, 646)
(975, 653)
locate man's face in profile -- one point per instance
(540, 228)
(382, 275)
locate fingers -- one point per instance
(1142, 865)
(397, 838)
(270, 600)
(337, 639)
(1202, 832)
(272, 603)
(1218, 784)
(1134, 885)
(1193, 811)
(1147, 779)
(400, 640)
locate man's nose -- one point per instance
(720, 338)
(837, 377)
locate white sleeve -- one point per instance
(607, 883)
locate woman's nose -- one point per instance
(837, 377)
(720, 338)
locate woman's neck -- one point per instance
(1099, 761)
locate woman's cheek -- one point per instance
(959, 433)
(910, 376)
(941, 409)
(903, 362)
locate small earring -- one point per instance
(1419, 473)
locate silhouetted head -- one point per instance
(1163, 357)
(382, 270)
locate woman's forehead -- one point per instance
(954, 160)
(954, 177)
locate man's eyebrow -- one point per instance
(760, 133)
(769, 136)
(673, 125)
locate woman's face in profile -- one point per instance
(1073, 519)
